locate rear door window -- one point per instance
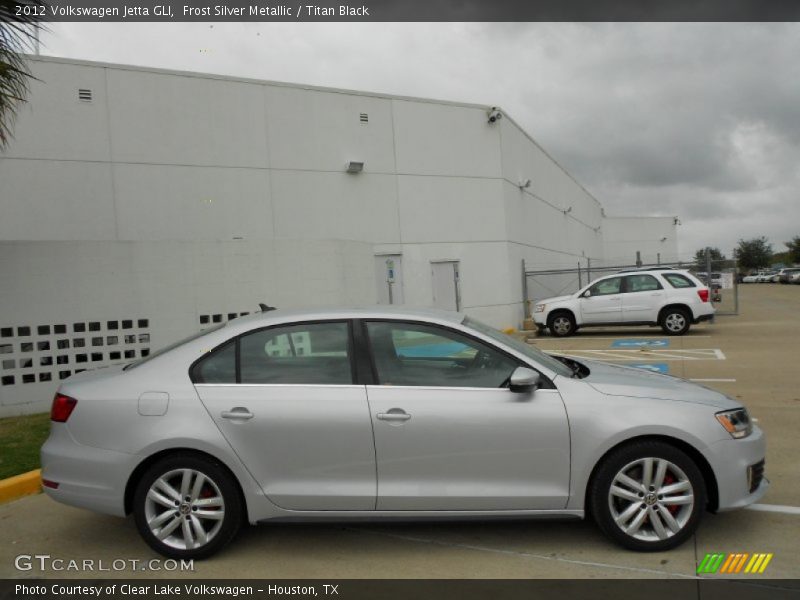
(677, 280)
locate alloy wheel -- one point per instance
(184, 509)
(562, 325)
(675, 322)
(651, 499)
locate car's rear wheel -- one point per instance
(675, 321)
(186, 506)
(648, 496)
(561, 324)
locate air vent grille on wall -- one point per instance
(211, 319)
(85, 95)
(364, 118)
(48, 353)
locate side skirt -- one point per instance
(428, 515)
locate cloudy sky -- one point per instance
(696, 120)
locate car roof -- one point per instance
(283, 315)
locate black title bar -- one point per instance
(408, 10)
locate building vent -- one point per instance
(85, 95)
(364, 118)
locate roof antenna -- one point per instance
(265, 308)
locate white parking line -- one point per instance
(523, 554)
(639, 354)
(776, 508)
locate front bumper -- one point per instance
(731, 461)
(87, 477)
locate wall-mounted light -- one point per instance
(524, 183)
(676, 221)
(494, 114)
(567, 211)
(355, 167)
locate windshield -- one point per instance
(533, 353)
(172, 346)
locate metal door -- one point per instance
(389, 278)
(446, 290)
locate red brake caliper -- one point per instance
(668, 478)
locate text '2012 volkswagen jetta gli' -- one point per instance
(386, 413)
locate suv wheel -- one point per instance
(561, 324)
(186, 507)
(648, 496)
(675, 321)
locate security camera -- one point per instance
(494, 114)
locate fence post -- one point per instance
(638, 258)
(589, 270)
(526, 309)
(580, 285)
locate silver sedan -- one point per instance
(387, 413)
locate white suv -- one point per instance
(670, 298)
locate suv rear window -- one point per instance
(677, 280)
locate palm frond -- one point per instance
(18, 35)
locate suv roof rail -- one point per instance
(639, 269)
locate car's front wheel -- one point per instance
(561, 324)
(186, 506)
(648, 496)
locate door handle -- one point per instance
(237, 413)
(395, 414)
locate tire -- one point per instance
(636, 515)
(561, 324)
(675, 321)
(214, 507)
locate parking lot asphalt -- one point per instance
(756, 362)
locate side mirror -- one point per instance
(524, 380)
(586, 294)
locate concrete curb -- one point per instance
(20, 485)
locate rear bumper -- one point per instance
(701, 318)
(91, 478)
(731, 461)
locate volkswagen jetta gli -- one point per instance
(385, 413)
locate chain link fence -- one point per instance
(538, 284)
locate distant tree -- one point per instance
(717, 258)
(754, 253)
(794, 249)
(18, 34)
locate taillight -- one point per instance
(62, 408)
(703, 293)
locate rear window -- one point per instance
(677, 280)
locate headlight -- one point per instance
(736, 422)
(539, 308)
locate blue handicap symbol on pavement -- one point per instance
(657, 367)
(634, 343)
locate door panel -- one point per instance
(445, 285)
(642, 298)
(470, 449)
(604, 304)
(309, 447)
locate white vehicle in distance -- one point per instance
(672, 299)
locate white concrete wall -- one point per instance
(171, 284)
(218, 190)
(655, 237)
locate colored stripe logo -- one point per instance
(734, 563)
